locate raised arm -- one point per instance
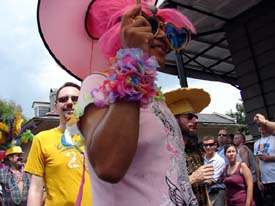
(111, 133)
(111, 138)
(260, 119)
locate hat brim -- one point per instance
(61, 25)
(197, 98)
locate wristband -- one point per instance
(131, 77)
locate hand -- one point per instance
(260, 119)
(135, 30)
(263, 157)
(260, 185)
(202, 174)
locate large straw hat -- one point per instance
(62, 26)
(187, 100)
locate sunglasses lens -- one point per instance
(176, 37)
(66, 98)
(210, 145)
(190, 116)
(63, 99)
(74, 98)
(154, 24)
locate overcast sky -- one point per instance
(28, 72)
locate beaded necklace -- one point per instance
(11, 182)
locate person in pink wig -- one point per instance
(134, 146)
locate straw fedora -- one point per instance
(62, 27)
(187, 100)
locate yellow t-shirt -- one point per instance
(61, 167)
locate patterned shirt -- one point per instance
(193, 161)
(10, 192)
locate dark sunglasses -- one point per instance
(190, 115)
(222, 135)
(176, 38)
(66, 98)
(210, 145)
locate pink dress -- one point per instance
(157, 175)
(235, 188)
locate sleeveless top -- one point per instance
(235, 187)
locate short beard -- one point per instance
(193, 141)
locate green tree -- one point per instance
(7, 110)
(239, 115)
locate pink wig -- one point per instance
(104, 21)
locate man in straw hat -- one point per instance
(15, 183)
(13, 180)
(184, 103)
(133, 142)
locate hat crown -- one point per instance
(14, 150)
(185, 100)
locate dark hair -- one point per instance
(242, 135)
(67, 84)
(230, 145)
(209, 137)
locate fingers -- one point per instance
(203, 173)
(208, 171)
(130, 15)
(135, 30)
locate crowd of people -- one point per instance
(120, 141)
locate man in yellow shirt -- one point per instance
(56, 159)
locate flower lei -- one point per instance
(131, 77)
(72, 137)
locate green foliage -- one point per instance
(239, 115)
(8, 109)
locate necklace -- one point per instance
(12, 179)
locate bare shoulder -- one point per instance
(244, 168)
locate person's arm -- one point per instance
(35, 191)
(203, 174)
(266, 157)
(111, 138)
(260, 119)
(111, 133)
(219, 168)
(245, 171)
(244, 155)
(258, 175)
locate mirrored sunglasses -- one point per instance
(66, 98)
(177, 38)
(190, 116)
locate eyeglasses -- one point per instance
(190, 115)
(66, 98)
(176, 38)
(210, 145)
(222, 135)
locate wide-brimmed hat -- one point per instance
(62, 27)
(187, 100)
